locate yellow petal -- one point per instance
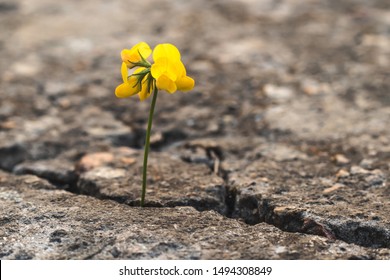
(143, 48)
(166, 50)
(163, 66)
(129, 58)
(133, 55)
(185, 83)
(164, 83)
(179, 69)
(158, 69)
(125, 90)
(138, 70)
(124, 72)
(144, 93)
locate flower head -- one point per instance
(166, 73)
(169, 71)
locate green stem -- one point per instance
(147, 144)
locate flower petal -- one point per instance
(164, 83)
(179, 69)
(144, 93)
(133, 55)
(164, 66)
(124, 72)
(125, 90)
(166, 50)
(129, 57)
(185, 83)
(144, 49)
(158, 69)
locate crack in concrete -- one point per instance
(252, 209)
(260, 210)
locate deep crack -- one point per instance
(254, 210)
(251, 209)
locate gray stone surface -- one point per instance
(42, 222)
(281, 151)
(171, 182)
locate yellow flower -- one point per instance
(169, 71)
(131, 85)
(136, 55)
(166, 73)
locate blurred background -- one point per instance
(287, 70)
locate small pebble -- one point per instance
(94, 160)
(342, 173)
(341, 159)
(278, 93)
(366, 163)
(333, 188)
(358, 170)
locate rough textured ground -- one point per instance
(282, 151)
